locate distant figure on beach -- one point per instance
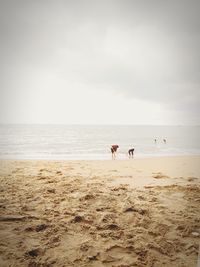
(164, 140)
(131, 152)
(155, 140)
(114, 150)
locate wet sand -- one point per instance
(139, 212)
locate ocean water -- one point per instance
(93, 142)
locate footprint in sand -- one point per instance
(59, 173)
(115, 253)
(192, 179)
(159, 175)
(34, 252)
(51, 190)
(42, 177)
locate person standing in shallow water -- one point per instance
(131, 152)
(114, 150)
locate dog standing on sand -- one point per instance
(114, 150)
(131, 152)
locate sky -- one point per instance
(100, 62)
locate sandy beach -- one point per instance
(138, 212)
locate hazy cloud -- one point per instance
(145, 50)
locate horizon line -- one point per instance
(98, 124)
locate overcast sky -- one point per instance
(119, 62)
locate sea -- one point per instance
(93, 142)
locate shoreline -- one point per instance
(137, 212)
(108, 159)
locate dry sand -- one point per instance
(140, 212)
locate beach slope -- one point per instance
(139, 212)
